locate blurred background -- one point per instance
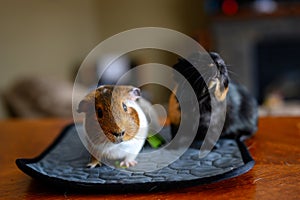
(43, 43)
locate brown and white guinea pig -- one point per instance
(115, 123)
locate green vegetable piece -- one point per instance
(156, 141)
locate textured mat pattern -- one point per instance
(65, 163)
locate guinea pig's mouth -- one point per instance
(118, 140)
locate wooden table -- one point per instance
(275, 148)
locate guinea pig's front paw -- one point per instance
(128, 163)
(219, 90)
(94, 163)
(219, 83)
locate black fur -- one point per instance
(242, 109)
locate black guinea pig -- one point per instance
(241, 115)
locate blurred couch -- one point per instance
(32, 97)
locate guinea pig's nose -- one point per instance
(118, 137)
(120, 134)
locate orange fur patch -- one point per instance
(174, 113)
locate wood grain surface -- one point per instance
(275, 148)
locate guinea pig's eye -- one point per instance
(124, 107)
(99, 112)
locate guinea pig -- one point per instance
(115, 123)
(241, 107)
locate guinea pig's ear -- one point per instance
(85, 104)
(135, 93)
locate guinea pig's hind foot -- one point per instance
(94, 163)
(127, 163)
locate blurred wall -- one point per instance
(52, 37)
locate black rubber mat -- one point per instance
(63, 164)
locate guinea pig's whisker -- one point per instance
(232, 73)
